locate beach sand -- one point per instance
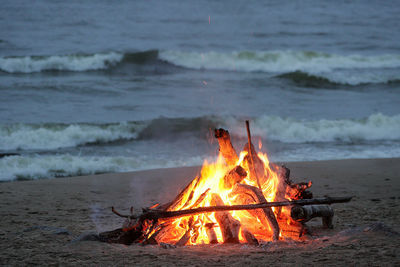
(41, 220)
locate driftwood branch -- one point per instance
(212, 236)
(155, 214)
(249, 237)
(226, 147)
(266, 215)
(306, 213)
(251, 154)
(228, 225)
(234, 176)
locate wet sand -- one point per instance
(41, 220)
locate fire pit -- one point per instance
(240, 198)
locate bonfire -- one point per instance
(240, 198)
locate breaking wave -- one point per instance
(49, 166)
(277, 61)
(303, 67)
(375, 127)
(53, 136)
(76, 62)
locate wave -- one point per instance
(336, 79)
(49, 166)
(75, 62)
(53, 136)
(277, 61)
(28, 167)
(313, 67)
(375, 127)
(307, 80)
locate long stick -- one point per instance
(160, 214)
(251, 154)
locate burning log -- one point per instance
(305, 213)
(226, 147)
(234, 176)
(212, 236)
(257, 196)
(255, 164)
(161, 214)
(201, 198)
(249, 237)
(228, 225)
(182, 199)
(187, 235)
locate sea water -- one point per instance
(109, 86)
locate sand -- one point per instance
(41, 220)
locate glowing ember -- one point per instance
(232, 180)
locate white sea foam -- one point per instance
(53, 136)
(314, 63)
(35, 167)
(289, 130)
(375, 127)
(277, 61)
(30, 64)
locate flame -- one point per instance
(199, 192)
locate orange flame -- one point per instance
(199, 194)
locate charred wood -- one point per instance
(160, 214)
(120, 236)
(306, 213)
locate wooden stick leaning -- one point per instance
(251, 155)
(154, 214)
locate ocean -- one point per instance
(102, 86)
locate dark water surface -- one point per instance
(105, 86)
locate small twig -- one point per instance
(123, 215)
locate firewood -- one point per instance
(187, 235)
(184, 239)
(306, 213)
(160, 231)
(249, 237)
(258, 197)
(234, 176)
(284, 181)
(212, 236)
(226, 147)
(200, 198)
(161, 214)
(227, 224)
(120, 236)
(299, 190)
(180, 200)
(256, 166)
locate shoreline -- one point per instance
(42, 218)
(194, 166)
